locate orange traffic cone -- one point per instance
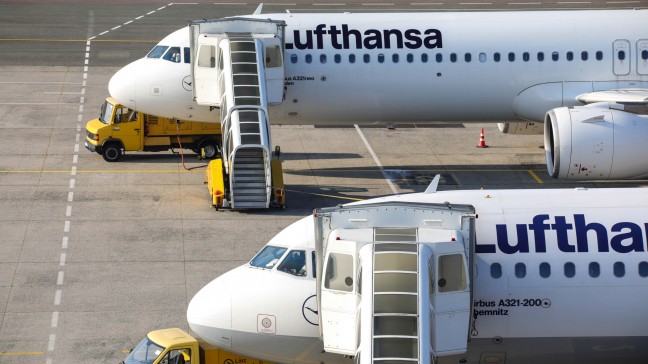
(482, 142)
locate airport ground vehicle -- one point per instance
(120, 129)
(175, 346)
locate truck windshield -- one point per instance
(144, 353)
(268, 257)
(106, 112)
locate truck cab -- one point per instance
(119, 129)
(175, 346)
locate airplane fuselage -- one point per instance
(421, 67)
(559, 276)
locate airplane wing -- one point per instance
(622, 96)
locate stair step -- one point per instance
(249, 185)
(249, 205)
(250, 198)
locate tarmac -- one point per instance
(93, 255)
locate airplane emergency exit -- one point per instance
(482, 276)
(583, 73)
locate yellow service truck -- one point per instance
(175, 346)
(119, 129)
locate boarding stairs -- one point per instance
(395, 284)
(236, 67)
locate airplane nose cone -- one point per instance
(122, 86)
(210, 314)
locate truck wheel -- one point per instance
(209, 146)
(112, 152)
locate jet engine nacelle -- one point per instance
(596, 142)
(521, 128)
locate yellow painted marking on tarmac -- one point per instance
(17, 353)
(323, 195)
(126, 351)
(535, 176)
(77, 40)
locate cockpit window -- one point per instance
(294, 263)
(268, 257)
(157, 51)
(173, 55)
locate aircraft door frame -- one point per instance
(206, 71)
(642, 60)
(621, 61)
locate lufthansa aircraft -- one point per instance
(504, 277)
(583, 72)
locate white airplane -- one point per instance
(542, 276)
(429, 67)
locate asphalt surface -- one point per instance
(94, 255)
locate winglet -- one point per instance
(432, 188)
(258, 10)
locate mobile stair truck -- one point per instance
(175, 346)
(120, 129)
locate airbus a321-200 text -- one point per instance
(480, 276)
(583, 73)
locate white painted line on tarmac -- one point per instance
(376, 160)
(75, 159)
(104, 32)
(57, 297)
(66, 239)
(70, 196)
(74, 170)
(72, 182)
(61, 276)
(66, 226)
(51, 343)
(68, 211)
(128, 22)
(62, 259)
(139, 17)
(117, 27)
(150, 12)
(55, 317)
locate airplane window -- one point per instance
(496, 270)
(439, 57)
(293, 58)
(644, 55)
(410, 58)
(309, 58)
(570, 270)
(594, 269)
(187, 55)
(643, 269)
(314, 260)
(157, 51)
(337, 58)
(511, 57)
(395, 58)
(599, 55)
(453, 57)
(173, 55)
(322, 58)
(540, 56)
(424, 57)
(294, 263)
(545, 270)
(381, 58)
(525, 56)
(366, 58)
(584, 55)
(268, 257)
(555, 56)
(619, 269)
(496, 57)
(520, 270)
(351, 58)
(570, 56)
(467, 57)
(621, 55)
(482, 57)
